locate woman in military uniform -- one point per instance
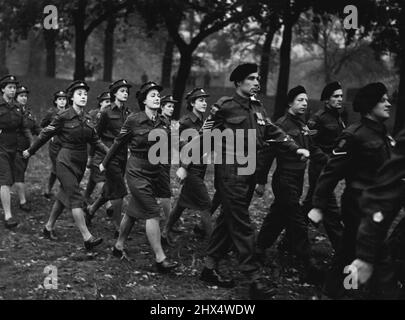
(108, 127)
(59, 104)
(194, 193)
(23, 143)
(96, 178)
(75, 130)
(287, 183)
(166, 110)
(11, 121)
(142, 176)
(360, 151)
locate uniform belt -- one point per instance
(140, 154)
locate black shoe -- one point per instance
(213, 276)
(199, 232)
(25, 207)
(166, 266)
(259, 291)
(92, 242)
(166, 241)
(110, 212)
(10, 223)
(49, 234)
(121, 254)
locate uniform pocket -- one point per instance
(71, 124)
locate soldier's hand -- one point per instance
(260, 190)
(26, 154)
(364, 270)
(181, 174)
(303, 153)
(315, 215)
(101, 167)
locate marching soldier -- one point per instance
(167, 104)
(108, 127)
(328, 124)
(12, 121)
(23, 143)
(380, 205)
(360, 151)
(75, 130)
(287, 184)
(96, 178)
(142, 176)
(60, 103)
(233, 226)
(194, 193)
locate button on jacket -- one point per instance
(360, 151)
(11, 121)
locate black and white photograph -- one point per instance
(200, 156)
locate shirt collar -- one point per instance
(193, 117)
(145, 118)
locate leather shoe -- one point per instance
(10, 223)
(49, 234)
(166, 266)
(92, 242)
(213, 276)
(25, 207)
(259, 291)
(121, 254)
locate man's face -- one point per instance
(335, 100)
(250, 85)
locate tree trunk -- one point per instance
(3, 54)
(79, 17)
(109, 49)
(167, 63)
(36, 61)
(50, 46)
(400, 110)
(265, 60)
(284, 72)
(181, 79)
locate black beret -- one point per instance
(118, 84)
(21, 89)
(167, 98)
(78, 84)
(242, 71)
(103, 96)
(295, 92)
(329, 89)
(368, 96)
(143, 91)
(8, 79)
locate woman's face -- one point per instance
(80, 97)
(382, 109)
(199, 104)
(299, 105)
(9, 90)
(22, 98)
(168, 109)
(152, 100)
(61, 103)
(122, 94)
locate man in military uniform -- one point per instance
(383, 261)
(360, 151)
(233, 226)
(11, 121)
(327, 125)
